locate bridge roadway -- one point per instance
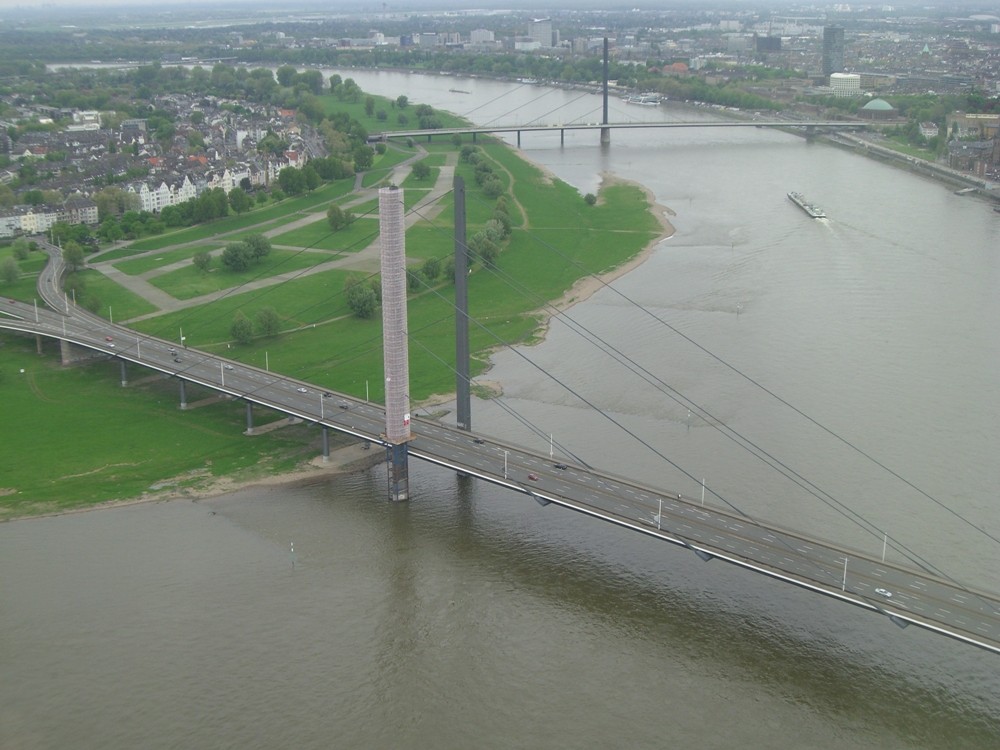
(562, 127)
(904, 595)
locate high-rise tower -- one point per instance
(833, 49)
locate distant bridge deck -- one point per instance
(809, 126)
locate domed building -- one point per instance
(877, 109)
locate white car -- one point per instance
(227, 367)
(884, 592)
(302, 390)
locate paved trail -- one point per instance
(365, 260)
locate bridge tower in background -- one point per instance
(463, 396)
(605, 131)
(395, 344)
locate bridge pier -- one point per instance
(184, 401)
(397, 456)
(124, 370)
(519, 139)
(326, 443)
(562, 136)
(249, 418)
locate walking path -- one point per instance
(366, 260)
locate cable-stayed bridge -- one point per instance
(904, 595)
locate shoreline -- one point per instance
(352, 458)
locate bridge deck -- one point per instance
(906, 596)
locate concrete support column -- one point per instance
(519, 139)
(326, 443)
(124, 368)
(562, 136)
(249, 418)
(38, 344)
(184, 400)
(397, 457)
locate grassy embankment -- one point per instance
(75, 437)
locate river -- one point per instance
(322, 615)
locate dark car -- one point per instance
(561, 466)
(478, 441)
(533, 477)
(177, 359)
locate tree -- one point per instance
(590, 199)
(236, 257)
(311, 177)
(292, 180)
(202, 260)
(73, 255)
(258, 247)
(338, 218)
(456, 140)
(20, 248)
(431, 268)
(492, 187)
(268, 322)
(239, 201)
(10, 272)
(421, 171)
(369, 105)
(361, 298)
(363, 157)
(242, 329)
(402, 102)
(286, 75)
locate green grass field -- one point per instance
(111, 443)
(96, 441)
(188, 282)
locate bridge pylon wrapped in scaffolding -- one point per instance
(395, 350)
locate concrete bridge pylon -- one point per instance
(395, 344)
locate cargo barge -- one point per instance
(813, 210)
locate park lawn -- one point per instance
(262, 216)
(153, 260)
(415, 199)
(302, 302)
(356, 236)
(331, 105)
(33, 264)
(412, 181)
(383, 165)
(428, 240)
(118, 443)
(189, 282)
(109, 299)
(322, 343)
(24, 289)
